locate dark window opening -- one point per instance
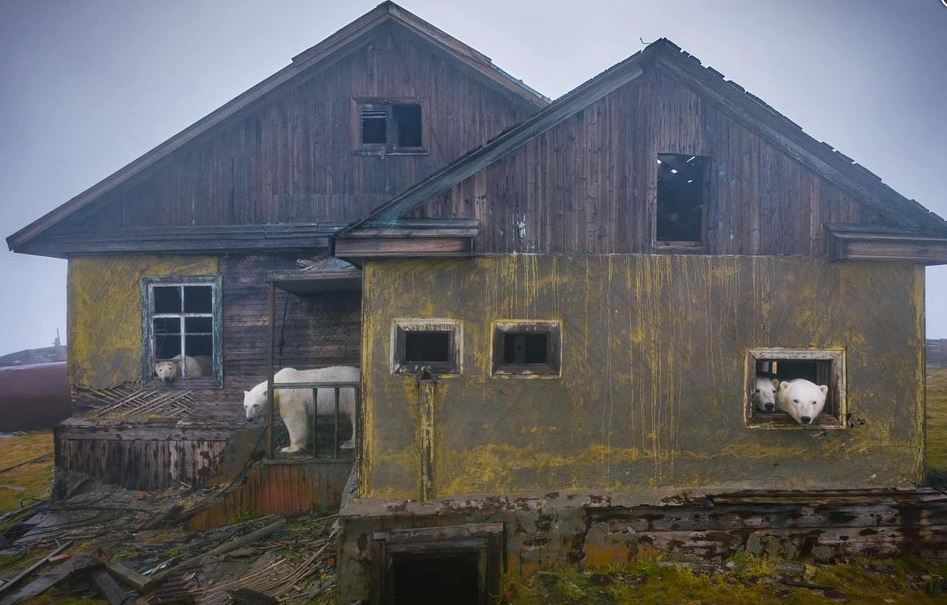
(524, 348)
(427, 347)
(682, 188)
(407, 120)
(436, 579)
(374, 124)
(769, 369)
(434, 344)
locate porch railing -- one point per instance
(314, 444)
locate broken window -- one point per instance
(433, 344)
(390, 127)
(682, 199)
(182, 323)
(769, 369)
(530, 348)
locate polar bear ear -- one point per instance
(775, 382)
(783, 385)
(823, 388)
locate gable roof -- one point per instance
(322, 54)
(751, 110)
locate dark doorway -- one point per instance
(436, 579)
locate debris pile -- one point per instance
(133, 547)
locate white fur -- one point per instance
(296, 407)
(764, 394)
(168, 370)
(801, 399)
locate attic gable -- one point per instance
(304, 67)
(665, 60)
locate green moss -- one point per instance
(898, 582)
(30, 481)
(937, 421)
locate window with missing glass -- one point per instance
(181, 318)
(681, 213)
(390, 126)
(526, 348)
(434, 344)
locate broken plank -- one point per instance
(109, 587)
(46, 581)
(33, 567)
(248, 539)
(130, 577)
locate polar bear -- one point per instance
(296, 407)
(801, 399)
(170, 369)
(764, 393)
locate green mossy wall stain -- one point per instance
(105, 313)
(651, 391)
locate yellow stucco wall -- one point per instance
(651, 393)
(104, 313)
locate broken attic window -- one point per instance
(407, 119)
(374, 124)
(682, 193)
(526, 348)
(388, 127)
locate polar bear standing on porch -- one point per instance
(296, 406)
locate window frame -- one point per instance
(147, 316)
(685, 246)
(552, 368)
(838, 388)
(389, 147)
(400, 327)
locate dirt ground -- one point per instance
(937, 422)
(26, 468)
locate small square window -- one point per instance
(388, 126)
(526, 348)
(421, 343)
(682, 197)
(770, 370)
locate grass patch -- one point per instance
(29, 481)
(937, 420)
(898, 582)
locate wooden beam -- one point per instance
(903, 247)
(356, 248)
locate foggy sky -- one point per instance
(86, 86)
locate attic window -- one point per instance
(390, 127)
(682, 200)
(768, 369)
(526, 348)
(421, 343)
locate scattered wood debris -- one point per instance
(132, 547)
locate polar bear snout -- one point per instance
(769, 407)
(805, 419)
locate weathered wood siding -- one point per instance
(280, 488)
(650, 398)
(290, 159)
(590, 183)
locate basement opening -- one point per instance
(682, 196)
(427, 347)
(436, 578)
(433, 344)
(767, 369)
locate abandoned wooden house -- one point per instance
(559, 309)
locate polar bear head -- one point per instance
(764, 393)
(167, 371)
(254, 401)
(801, 399)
